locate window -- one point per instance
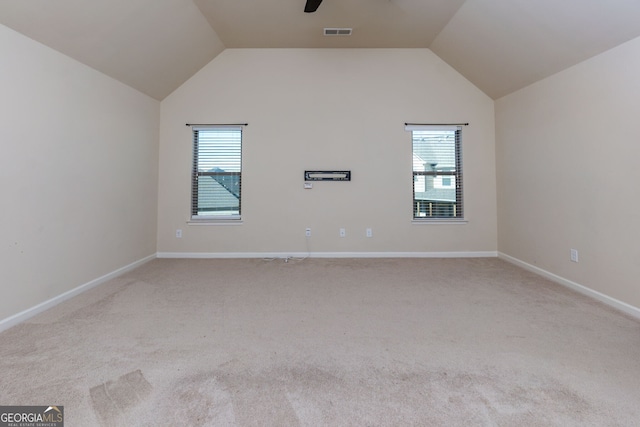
(217, 172)
(437, 172)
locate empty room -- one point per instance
(310, 213)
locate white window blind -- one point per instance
(437, 172)
(217, 172)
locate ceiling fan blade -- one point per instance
(312, 5)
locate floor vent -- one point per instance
(337, 31)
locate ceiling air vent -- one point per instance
(337, 31)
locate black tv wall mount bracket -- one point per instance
(327, 175)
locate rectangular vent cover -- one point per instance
(337, 31)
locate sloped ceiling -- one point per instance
(151, 45)
(156, 45)
(504, 45)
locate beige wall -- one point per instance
(568, 173)
(327, 109)
(78, 174)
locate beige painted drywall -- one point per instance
(78, 174)
(568, 173)
(340, 109)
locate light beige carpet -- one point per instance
(328, 342)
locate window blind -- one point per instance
(437, 172)
(217, 172)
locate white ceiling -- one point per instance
(156, 45)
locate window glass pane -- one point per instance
(219, 150)
(434, 150)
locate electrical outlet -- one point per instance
(307, 232)
(369, 232)
(574, 255)
(343, 232)
(179, 234)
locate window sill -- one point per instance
(215, 222)
(440, 221)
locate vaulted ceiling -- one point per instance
(156, 45)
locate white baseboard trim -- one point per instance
(481, 254)
(33, 311)
(612, 302)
